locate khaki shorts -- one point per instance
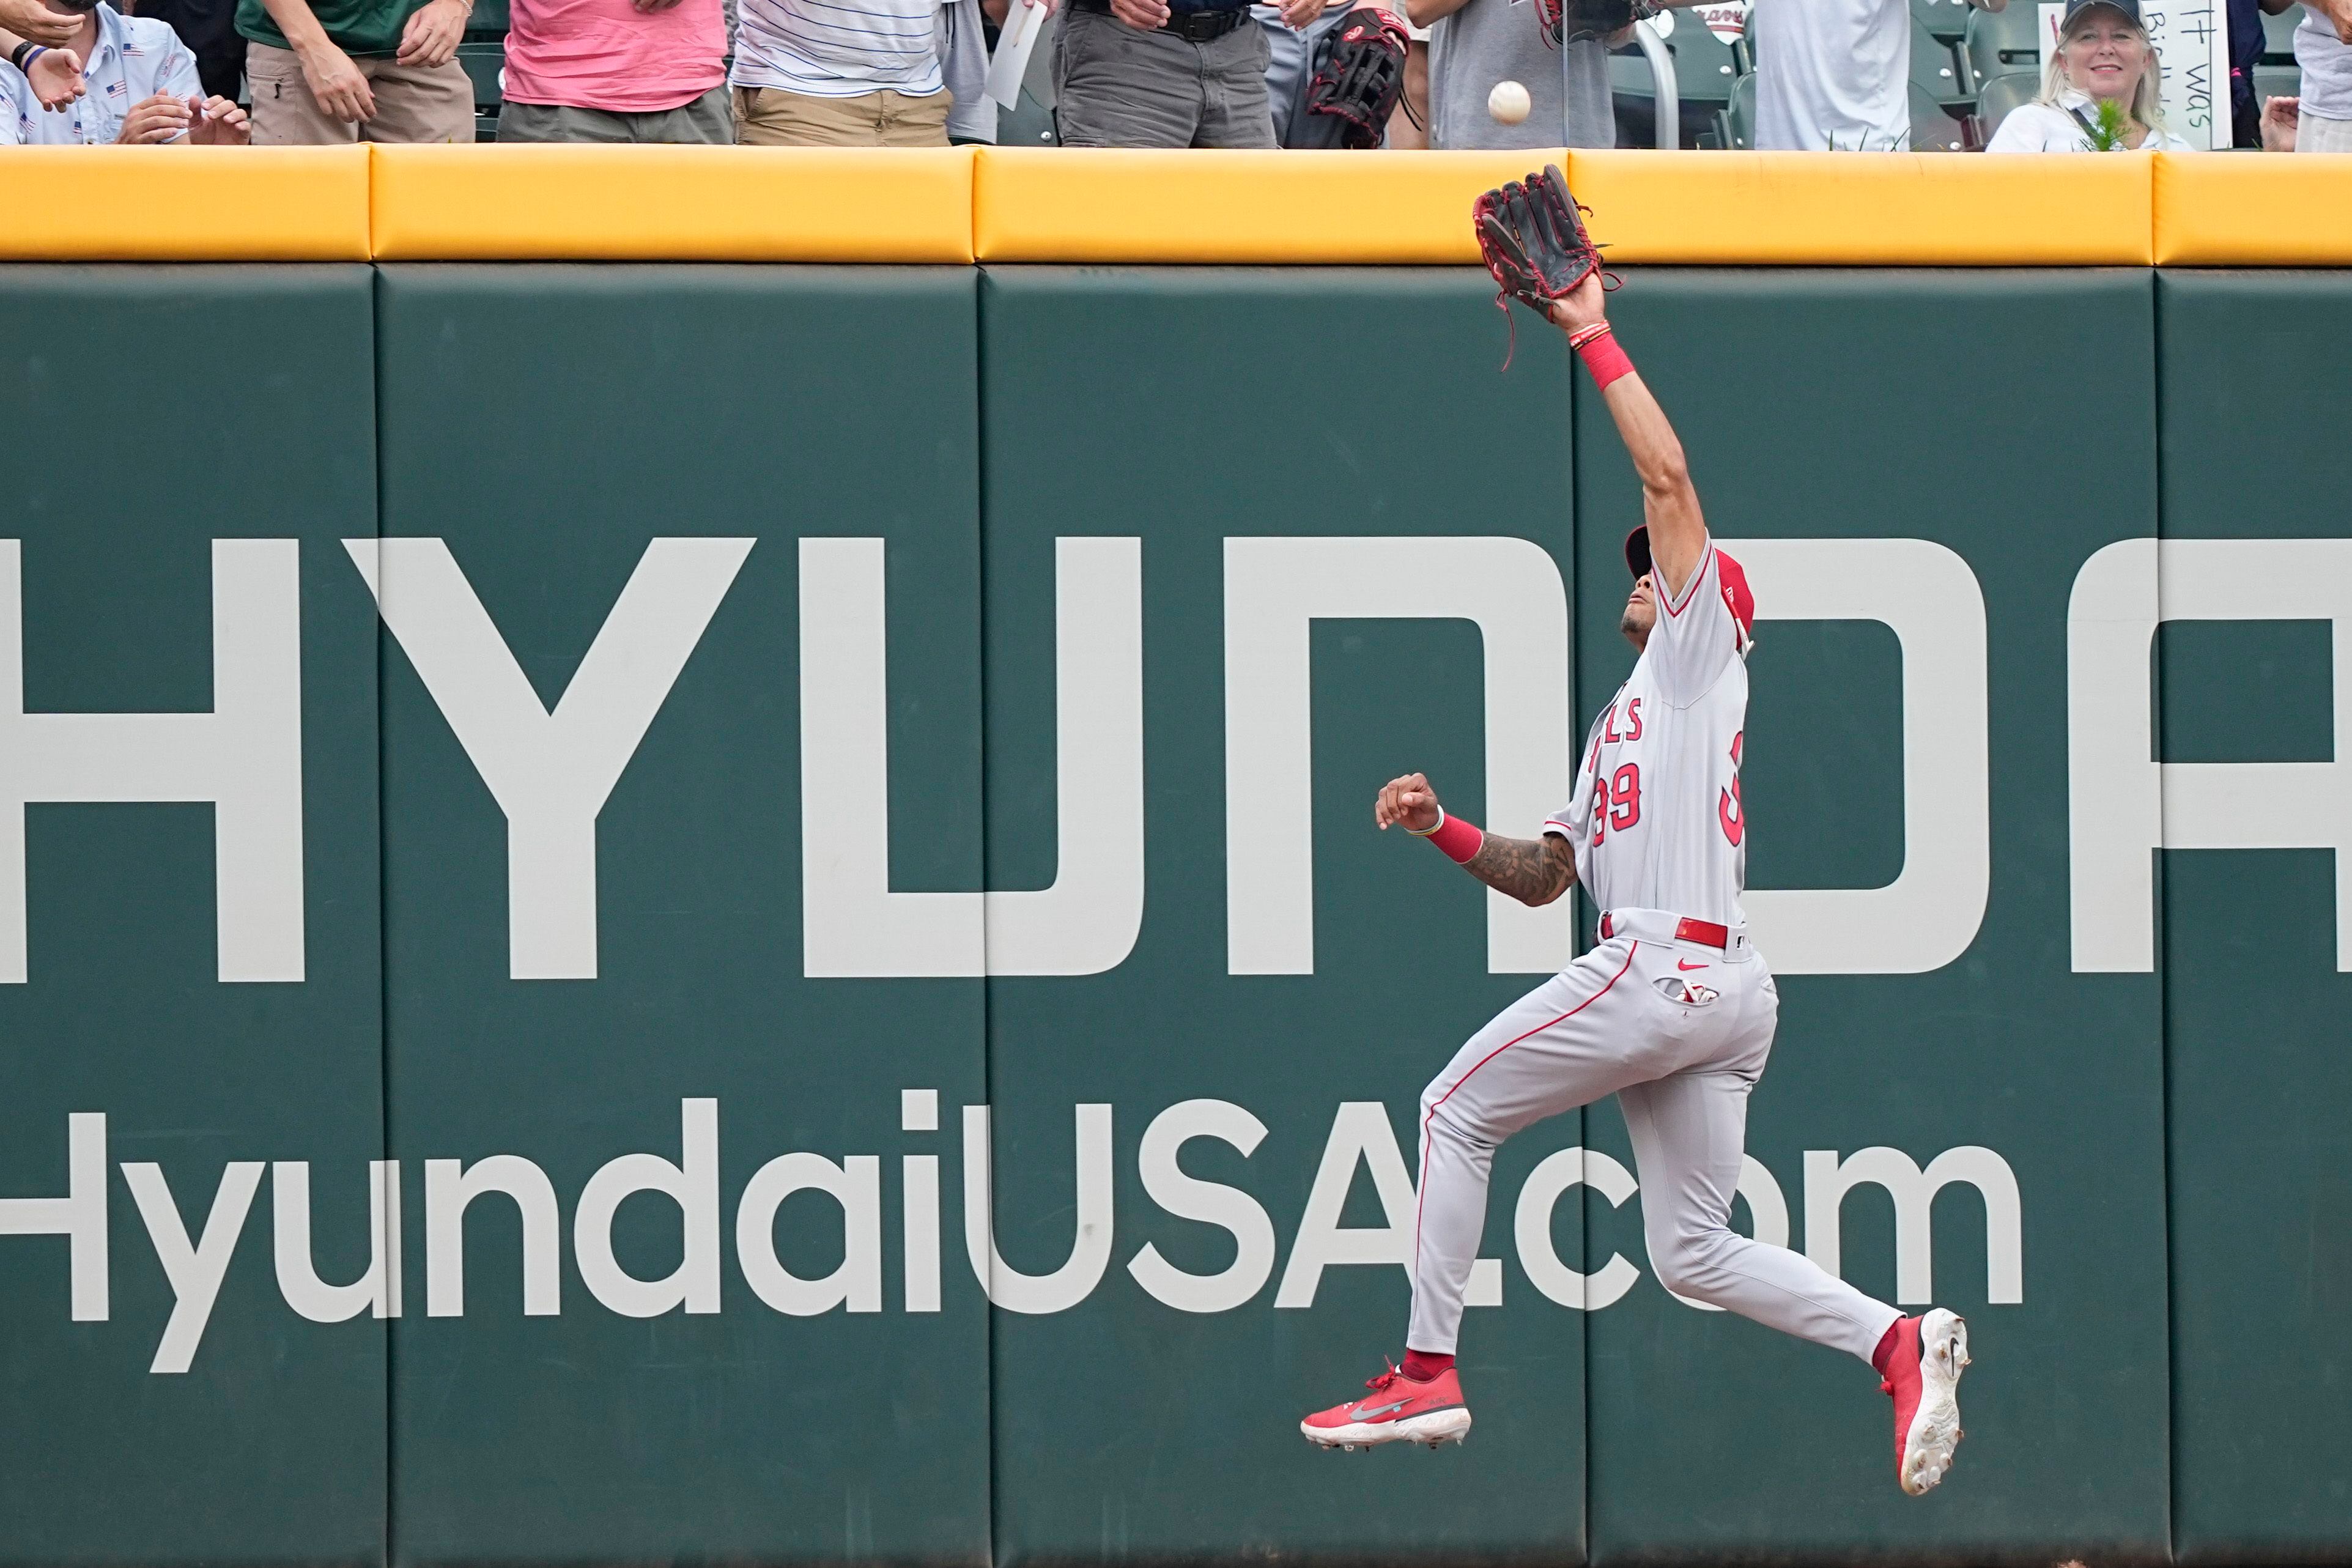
(771, 117)
(413, 103)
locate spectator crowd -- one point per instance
(1828, 75)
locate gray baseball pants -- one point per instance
(1679, 1033)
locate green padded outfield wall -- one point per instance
(1163, 405)
(719, 780)
(1999, 1047)
(2260, 1090)
(548, 424)
(186, 444)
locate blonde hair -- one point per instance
(2146, 104)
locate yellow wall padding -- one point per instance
(956, 204)
(2254, 210)
(1878, 209)
(185, 204)
(672, 204)
(1041, 203)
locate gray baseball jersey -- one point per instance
(1656, 821)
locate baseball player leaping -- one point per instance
(1673, 1011)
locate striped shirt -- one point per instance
(839, 48)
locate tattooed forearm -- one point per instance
(1532, 870)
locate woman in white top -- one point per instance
(2103, 57)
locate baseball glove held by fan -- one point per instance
(1567, 21)
(1355, 89)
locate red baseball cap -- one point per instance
(1737, 596)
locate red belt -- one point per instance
(1706, 933)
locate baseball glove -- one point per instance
(1566, 21)
(1355, 89)
(1532, 238)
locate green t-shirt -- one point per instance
(357, 27)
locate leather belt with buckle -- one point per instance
(1192, 26)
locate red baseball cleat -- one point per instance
(1922, 1372)
(1398, 1410)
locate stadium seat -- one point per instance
(1705, 70)
(2277, 81)
(2278, 36)
(1945, 19)
(1939, 68)
(1735, 122)
(1704, 66)
(1031, 123)
(483, 64)
(1999, 42)
(1934, 128)
(1998, 96)
(487, 19)
(1708, 55)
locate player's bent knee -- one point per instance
(1440, 1119)
(1455, 1121)
(1691, 1263)
(1672, 1269)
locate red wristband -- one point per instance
(1597, 347)
(1458, 839)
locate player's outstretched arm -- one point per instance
(1533, 871)
(1669, 500)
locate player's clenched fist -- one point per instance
(1408, 801)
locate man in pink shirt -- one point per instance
(617, 70)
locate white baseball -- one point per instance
(1508, 103)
